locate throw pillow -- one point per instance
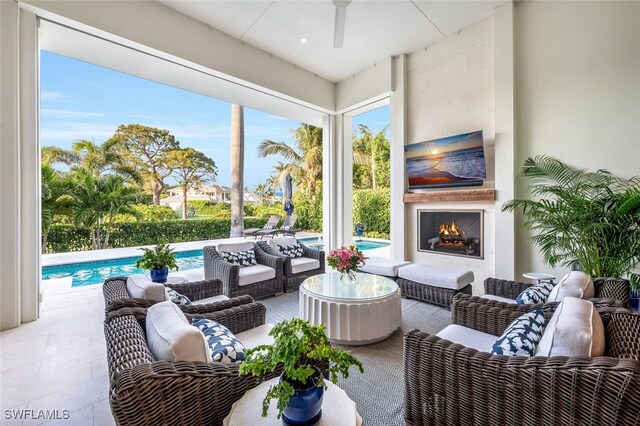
(177, 298)
(537, 293)
(574, 284)
(224, 346)
(242, 258)
(286, 227)
(522, 336)
(269, 226)
(293, 250)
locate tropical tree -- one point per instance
(56, 199)
(372, 154)
(237, 170)
(305, 159)
(146, 150)
(191, 169)
(97, 201)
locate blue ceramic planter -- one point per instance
(304, 407)
(159, 275)
(359, 232)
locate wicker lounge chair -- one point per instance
(144, 391)
(605, 288)
(285, 229)
(295, 271)
(450, 384)
(269, 226)
(234, 278)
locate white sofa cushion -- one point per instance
(468, 337)
(498, 298)
(575, 329)
(256, 336)
(234, 247)
(382, 266)
(574, 284)
(171, 337)
(210, 300)
(303, 264)
(452, 278)
(288, 241)
(141, 287)
(255, 273)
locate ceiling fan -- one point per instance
(341, 13)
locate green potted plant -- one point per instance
(158, 261)
(298, 346)
(588, 218)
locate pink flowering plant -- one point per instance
(346, 259)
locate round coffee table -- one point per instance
(364, 312)
(340, 409)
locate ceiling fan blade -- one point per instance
(341, 14)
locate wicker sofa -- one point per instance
(144, 391)
(450, 384)
(116, 295)
(291, 280)
(605, 288)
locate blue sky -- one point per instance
(84, 101)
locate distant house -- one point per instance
(210, 193)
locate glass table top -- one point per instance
(366, 286)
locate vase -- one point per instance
(348, 277)
(305, 406)
(159, 275)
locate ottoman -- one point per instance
(433, 284)
(381, 266)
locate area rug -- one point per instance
(378, 393)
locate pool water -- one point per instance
(96, 272)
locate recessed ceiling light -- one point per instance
(303, 40)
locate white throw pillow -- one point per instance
(574, 284)
(575, 329)
(141, 287)
(171, 337)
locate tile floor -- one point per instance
(58, 362)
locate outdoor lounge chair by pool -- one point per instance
(285, 229)
(269, 226)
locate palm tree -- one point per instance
(237, 170)
(56, 199)
(305, 160)
(365, 150)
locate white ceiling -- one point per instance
(374, 30)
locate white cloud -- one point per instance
(65, 113)
(46, 95)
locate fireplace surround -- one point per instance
(451, 232)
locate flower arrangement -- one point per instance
(346, 260)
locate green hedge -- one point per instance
(373, 208)
(66, 238)
(308, 210)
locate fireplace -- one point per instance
(451, 232)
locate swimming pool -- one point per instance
(95, 272)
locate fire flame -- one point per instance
(450, 229)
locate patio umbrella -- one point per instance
(288, 194)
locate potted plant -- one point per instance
(158, 261)
(346, 260)
(360, 228)
(298, 346)
(588, 218)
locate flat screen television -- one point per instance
(452, 161)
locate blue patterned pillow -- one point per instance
(242, 258)
(522, 336)
(177, 298)
(223, 345)
(537, 293)
(293, 250)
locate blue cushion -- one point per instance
(293, 250)
(522, 336)
(242, 258)
(537, 293)
(223, 345)
(177, 298)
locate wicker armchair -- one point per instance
(215, 267)
(116, 295)
(605, 288)
(449, 384)
(291, 281)
(144, 391)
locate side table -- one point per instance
(176, 279)
(540, 277)
(337, 408)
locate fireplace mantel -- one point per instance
(450, 196)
